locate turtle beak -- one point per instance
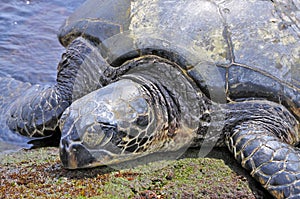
(72, 153)
(74, 156)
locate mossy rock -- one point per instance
(38, 174)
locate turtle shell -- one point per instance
(232, 49)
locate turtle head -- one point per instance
(129, 118)
(111, 125)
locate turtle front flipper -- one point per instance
(82, 69)
(262, 142)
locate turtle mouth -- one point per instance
(75, 155)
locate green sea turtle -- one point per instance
(147, 76)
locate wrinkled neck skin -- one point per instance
(154, 107)
(174, 97)
(223, 118)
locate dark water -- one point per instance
(29, 48)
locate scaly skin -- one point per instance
(273, 163)
(261, 136)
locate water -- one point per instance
(29, 48)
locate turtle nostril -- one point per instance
(64, 143)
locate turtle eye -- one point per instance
(142, 121)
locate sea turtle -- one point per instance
(147, 76)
